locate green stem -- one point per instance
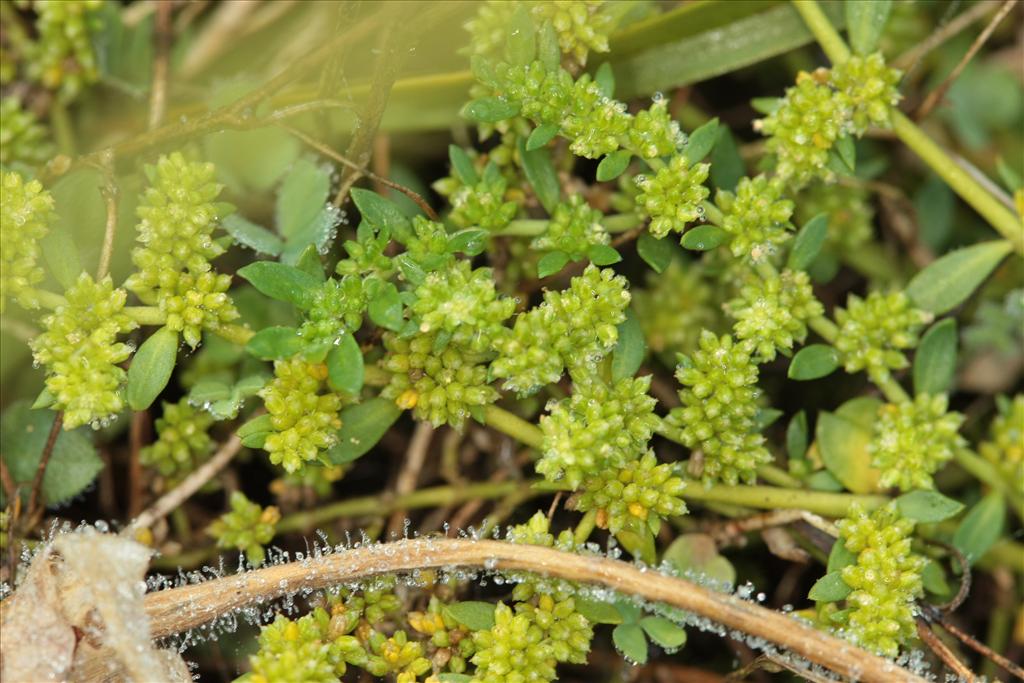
(48, 299)
(773, 497)
(585, 527)
(63, 131)
(999, 216)
(778, 476)
(712, 213)
(145, 315)
(531, 227)
(825, 328)
(514, 426)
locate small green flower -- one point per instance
(514, 650)
(197, 302)
(772, 313)
(756, 217)
(642, 493)
(336, 308)
(675, 306)
(305, 421)
(304, 651)
(868, 88)
(599, 426)
(567, 631)
(62, 56)
(719, 406)
(366, 255)
(429, 242)
(23, 140)
(873, 332)
(886, 579)
(81, 353)
(1005, 447)
(248, 527)
(672, 198)
(574, 227)
(582, 26)
(913, 439)
(26, 210)
(182, 441)
(483, 205)
(396, 655)
(654, 132)
(572, 329)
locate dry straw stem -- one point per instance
(179, 609)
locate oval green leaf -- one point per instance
(345, 369)
(947, 282)
(275, 343)
(665, 633)
(490, 110)
(476, 615)
(151, 368)
(843, 444)
(281, 282)
(704, 238)
(253, 236)
(630, 641)
(865, 21)
(829, 588)
(813, 362)
(462, 165)
(630, 348)
(927, 506)
(981, 527)
(542, 176)
(808, 242)
(935, 360)
(657, 253)
(603, 255)
(551, 263)
(700, 142)
(362, 426)
(612, 166)
(381, 213)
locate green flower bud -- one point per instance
(366, 255)
(514, 650)
(248, 527)
(567, 631)
(599, 426)
(81, 353)
(336, 308)
(868, 88)
(719, 406)
(572, 329)
(756, 217)
(429, 243)
(886, 579)
(672, 198)
(483, 205)
(574, 227)
(582, 26)
(654, 132)
(874, 331)
(305, 421)
(675, 306)
(62, 56)
(913, 439)
(22, 139)
(182, 440)
(304, 651)
(1005, 447)
(397, 655)
(772, 313)
(640, 492)
(26, 210)
(197, 302)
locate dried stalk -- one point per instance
(35, 507)
(177, 610)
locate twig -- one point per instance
(192, 483)
(44, 460)
(163, 36)
(179, 609)
(909, 59)
(218, 33)
(136, 437)
(726, 532)
(10, 490)
(976, 645)
(109, 192)
(936, 95)
(410, 472)
(965, 579)
(924, 631)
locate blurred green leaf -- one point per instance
(541, 174)
(151, 368)
(947, 282)
(362, 426)
(630, 349)
(935, 359)
(813, 362)
(981, 527)
(865, 21)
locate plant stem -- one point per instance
(585, 527)
(514, 426)
(145, 315)
(773, 498)
(531, 227)
(991, 209)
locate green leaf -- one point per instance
(475, 615)
(630, 349)
(308, 261)
(935, 204)
(698, 554)
(766, 105)
(665, 633)
(847, 153)
(822, 480)
(933, 578)
(598, 611)
(603, 255)
(843, 439)
(813, 362)
(254, 432)
(829, 588)
(549, 52)
(521, 40)
(766, 417)
(61, 256)
(275, 343)
(927, 506)
(462, 165)
(44, 400)
(313, 238)
(471, 241)
(281, 282)
(604, 78)
(345, 369)
(490, 110)
(256, 237)
(612, 166)
(727, 166)
(704, 238)
(865, 22)
(796, 437)
(381, 213)
(948, 281)
(657, 253)
(151, 368)
(542, 176)
(73, 464)
(362, 426)
(385, 309)
(981, 527)
(808, 242)
(208, 391)
(840, 557)
(630, 641)
(551, 263)
(541, 135)
(302, 196)
(935, 359)
(700, 142)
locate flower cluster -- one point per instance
(572, 329)
(850, 216)
(756, 217)
(81, 353)
(248, 527)
(1005, 447)
(454, 646)
(26, 210)
(638, 495)
(308, 650)
(334, 309)
(22, 139)
(182, 441)
(514, 650)
(772, 312)
(873, 332)
(600, 426)
(574, 227)
(177, 218)
(868, 89)
(582, 26)
(395, 655)
(719, 407)
(885, 580)
(62, 56)
(483, 205)
(305, 421)
(674, 307)
(672, 198)
(913, 439)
